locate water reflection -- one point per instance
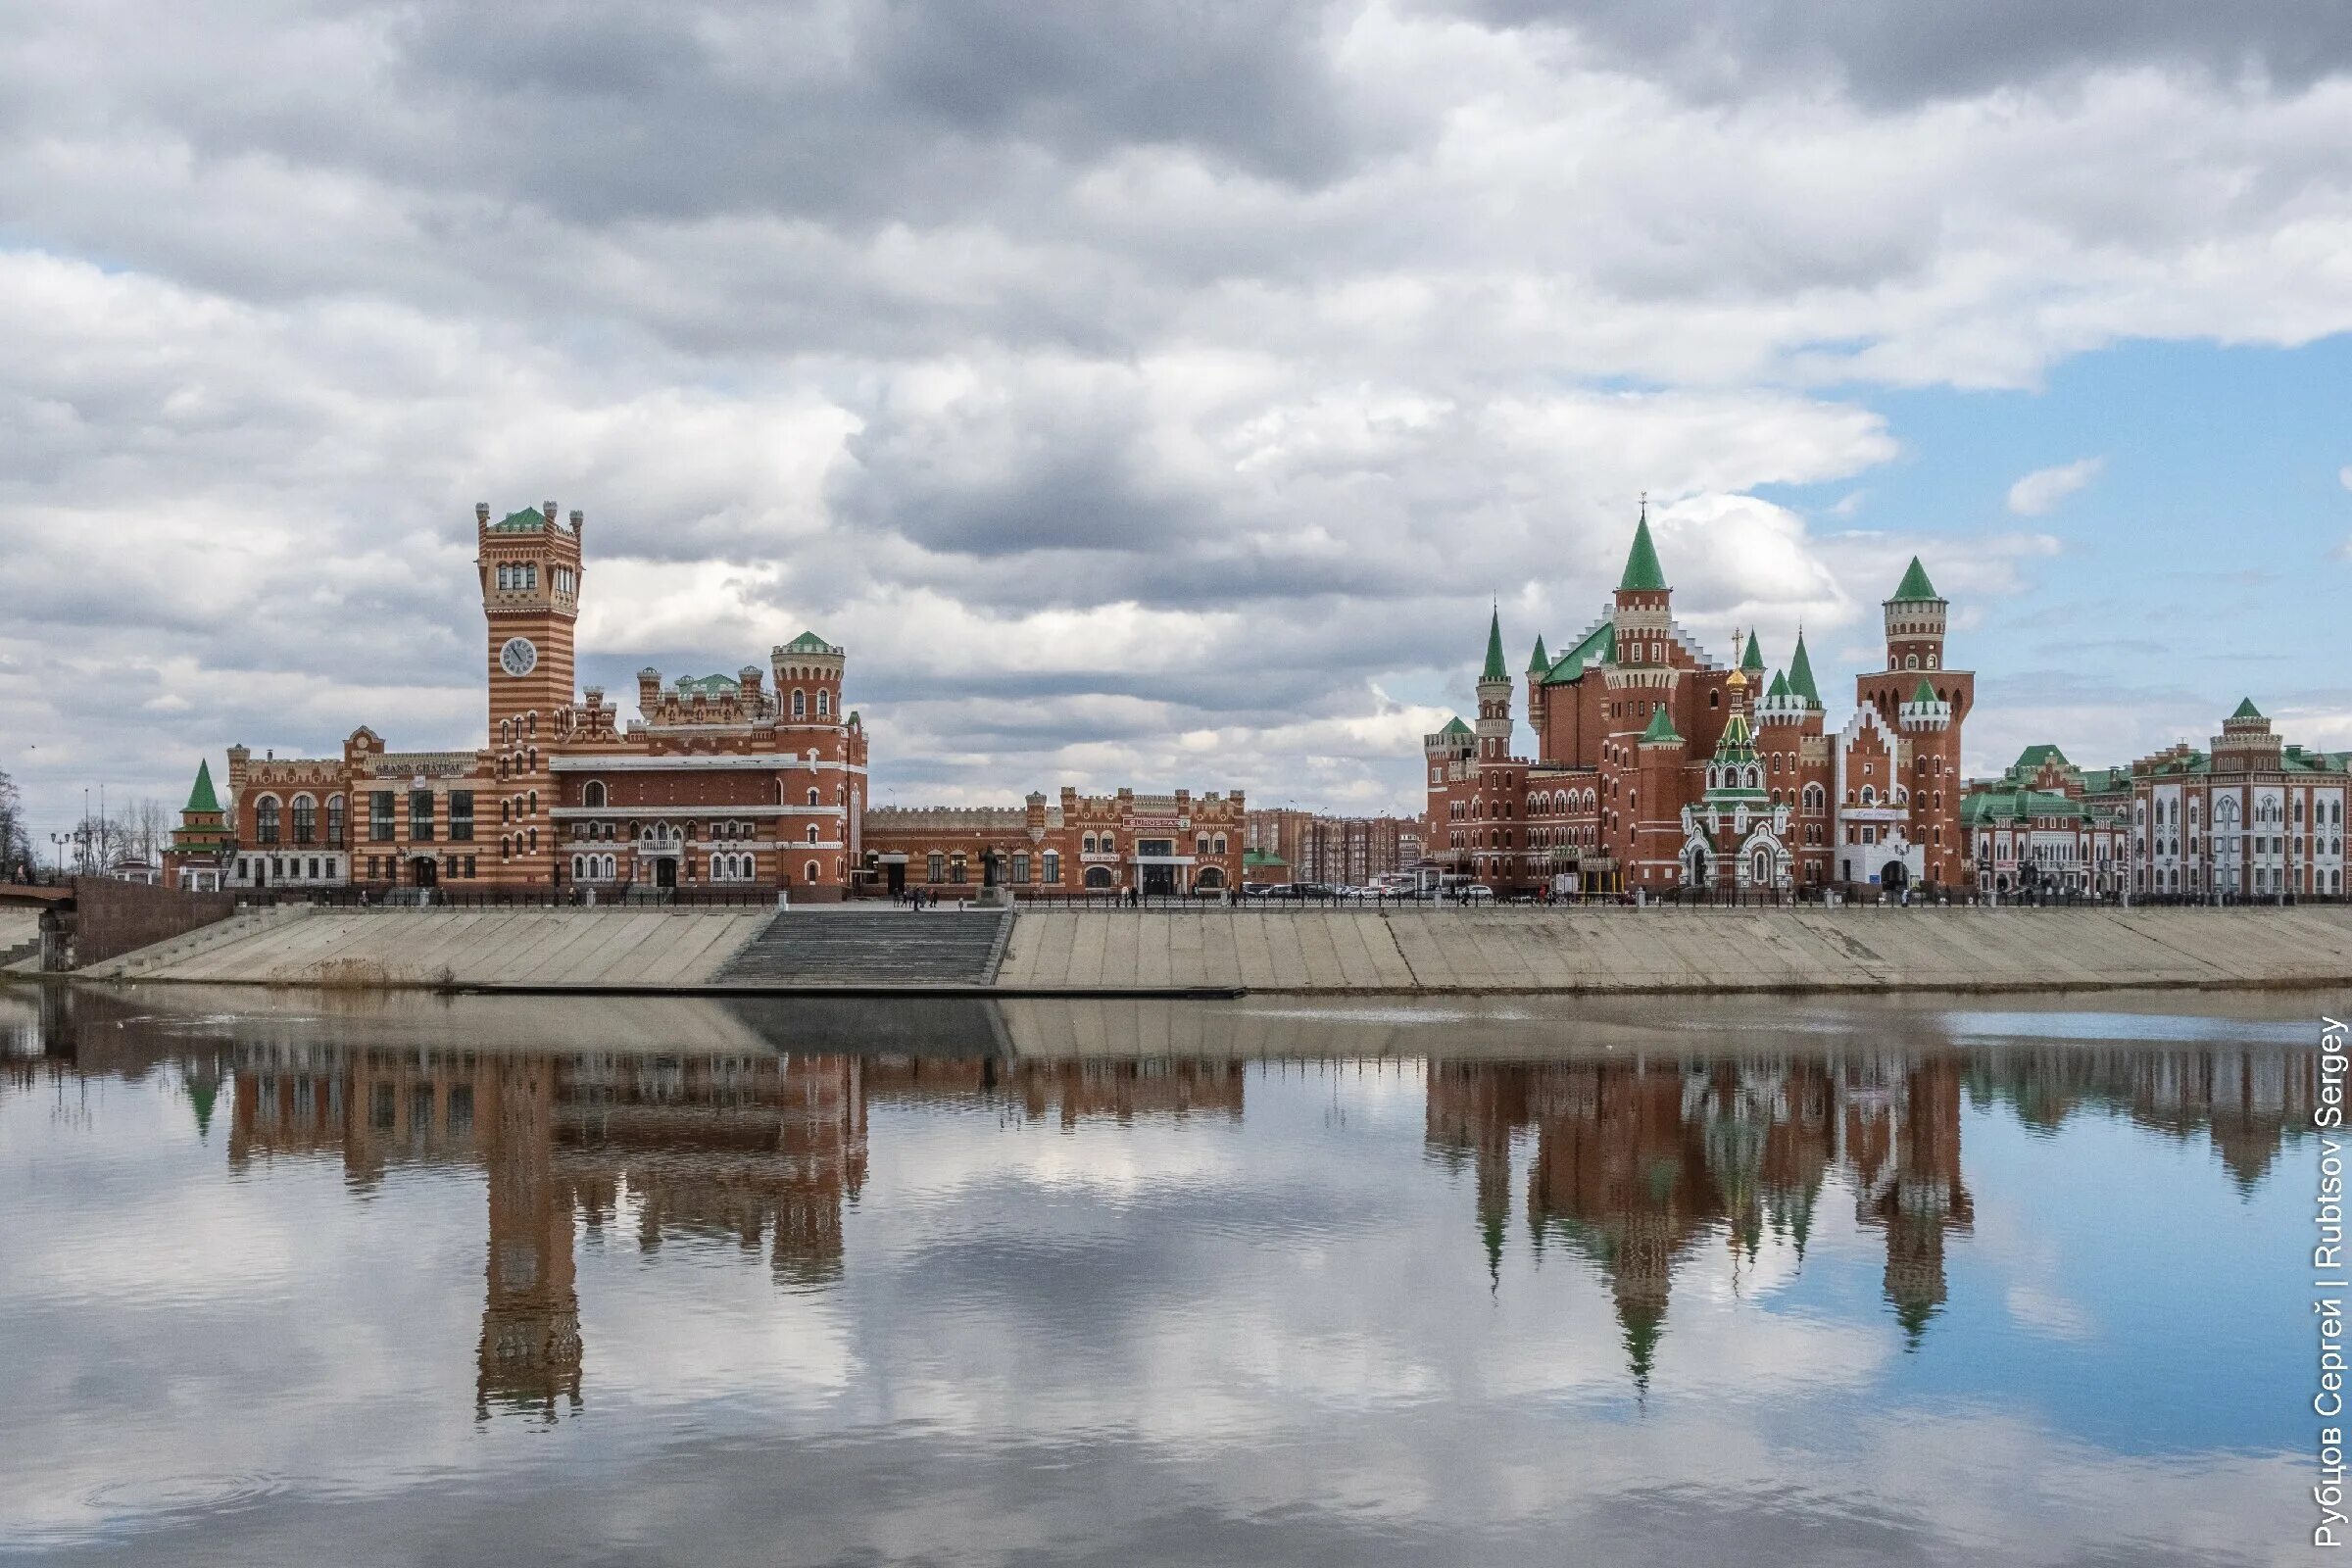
(1631, 1163)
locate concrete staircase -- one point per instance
(892, 947)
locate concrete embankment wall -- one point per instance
(657, 949)
(1461, 951)
(1335, 951)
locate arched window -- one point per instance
(812, 796)
(1911, 661)
(812, 832)
(266, 819)
(809, 874)
(1020, 867)
(592, 794)
(799, 703)
(306, 819)
(334, 820)
(1053, 864)
(1220, 844)
(824, 703)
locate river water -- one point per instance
(436, 1281)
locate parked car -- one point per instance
(1475, 893)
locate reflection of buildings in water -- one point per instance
(1638, 1163)
(1069, 1090)
(707, 1146)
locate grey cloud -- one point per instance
(1893, 55)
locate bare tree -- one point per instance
(147, 828)
(16, 840)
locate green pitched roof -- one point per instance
(1800, 674)
(2247, 708)
(530, 519)
(1661, 729)
(1495, 668)
(202, 798)
(1738, 743)
(1641, 569)
(1455, 726)
(1754, 659)
(1539, 662)
(1778, 686)
(2033, 756)
(1915, 585)
(807, 642)
(1598, 648)
(1925, 692)
(709, 685)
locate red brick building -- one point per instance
(721, 780)
(1155, 844)
(1658, 767)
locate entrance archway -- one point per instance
(1098, 876)
(1696, 866)
(1210, 879)
(424, 871)
(1894, 877)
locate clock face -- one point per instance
(518, 657)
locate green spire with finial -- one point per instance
(1495, 668)
(1801, 674)
(202, 798)
(1541, 661)
(1754, 659)
(1642, 572)
(1914, 587)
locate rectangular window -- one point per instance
(460, 815)
(379, 816)
(469, 868)
(935, 867)
(420, 816)
(1020, 867)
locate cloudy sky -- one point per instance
(1157, 393)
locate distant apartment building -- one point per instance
(1335, 850)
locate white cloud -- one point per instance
(2343, 476)
(2038, 492)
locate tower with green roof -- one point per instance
(1915, 622)
(1641, 618)
(202, 841)
(1920, 702)
(1494, 694)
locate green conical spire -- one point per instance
(2247, 708)
(1925, 692)
(202, 798)
(1778, 686)
(1800, 674)
(1661, 728)
(1641, 569)
(1541, 661)
(1754, 659)
(1915, 585)
(1495, 668)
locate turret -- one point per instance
(1924, 709)
(809, 672)
(1780, 705)
(1539, 664)
(1643, 614)
(1494, 694)
(1802, 685)
(1915, 623)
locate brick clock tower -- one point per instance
(530, 571)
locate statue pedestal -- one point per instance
(993, 899)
